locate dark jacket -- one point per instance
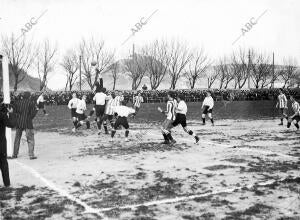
(25, 111)
(5, 121)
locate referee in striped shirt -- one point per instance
(25, 111)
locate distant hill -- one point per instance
(28, 84)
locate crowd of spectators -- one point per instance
(153, 96)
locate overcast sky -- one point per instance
(213, 24)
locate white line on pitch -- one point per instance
(61, 192)
(190, 197)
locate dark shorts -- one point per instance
(121, 121)
(296, 117)
(107, 117)
(100, 109)
(73, 113)
(283, 111)
(206, 110)
(81, 117)
(180, 120)
(41, 105)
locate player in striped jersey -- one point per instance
(119, 98)
(282, 105)
(296, 116)
(171, 115)
(72, 105)
(137, 100)
(109, 112)
(181, 110)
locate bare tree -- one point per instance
(20, 54)
(180, 56)
(93, 51)
(261, 70)
(212, 76)
(114, 71)
(289, 71)
(136, 68)
(241, 67)
(158, 61)
(45, 62)
(70, 63)
(224, 73)
(198, 65)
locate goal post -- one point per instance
(6, 100)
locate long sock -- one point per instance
(203, 120)
(165, 137)
(92, 112)
(88, 125)
(44, 111)
(281, 120)
(113, 132)
(126, 133)
(77, 125)
(74, 123)
(297, 125)
(99, 125)
(169, 136)
(105, 127)
(212, 120)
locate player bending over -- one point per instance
(296, 116)
(137, 100)
(122, 113)
(41, 103)
(282, 105)
(72, 105)
(109, 113)
(207, 107)
(171, 115)
(181, 111)
(81, 117)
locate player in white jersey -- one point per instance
(137, 100)
(282, 105)
(122, 112)
(171, 115)
(207, 106)
(296, 116)
(81, 117)
(181, 111)
(100, 99)
(109, 112)
(72, 105)
(41, 103)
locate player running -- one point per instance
(72, 105)
(41, 103)
(282, 105)
(81, 117)
(109, 112)
(137, 100)
(296, 116)
(122, 113)
(181, 111)
(207, 107)
(171, 115)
